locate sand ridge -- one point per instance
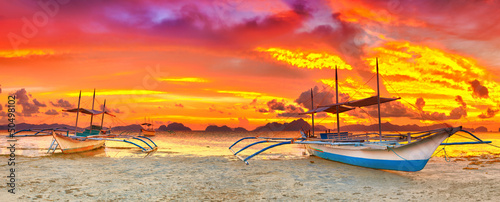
(217, 178)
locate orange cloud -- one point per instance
(308, 60)
(415, 71)
(189, 79)
(366, 13)
(25, 53)
(118, 92)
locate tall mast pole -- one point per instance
(312, 107)
(92, 115)
(378, 104)
(103, 112)
(337, 96)
(78, 110)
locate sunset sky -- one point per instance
(246, 63)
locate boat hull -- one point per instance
(71, 145)
(410, 157)
(148, 132)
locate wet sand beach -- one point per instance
(197, 166)
(217, 178)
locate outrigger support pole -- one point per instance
(262, 150)
(461, 143)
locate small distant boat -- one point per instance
(148, 132)
(401, 152)
(73, 141)
(148, 129)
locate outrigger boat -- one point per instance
(401, 152)
(73, 141)
(149, 130)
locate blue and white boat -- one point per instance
(401, 152)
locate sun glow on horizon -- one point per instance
(117, 92)
(25, 53)
(248, 63)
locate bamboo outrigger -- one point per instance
(402, 152)
(73, 140)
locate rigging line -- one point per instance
(327, 90)
(396, 153)
(397, 93)
(323, 119)
(356, 92)
(420, 111)
(491, 144)
(285, 119)
(369, 117)
(446, 158)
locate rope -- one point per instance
(491, 144)
(390, 148)
(446, 157)
(421, 112)
(356, 92)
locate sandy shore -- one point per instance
(177, 177)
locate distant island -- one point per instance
(224, 128)
(174, 127)
(213, 128)
(294, 125)
(481, 129)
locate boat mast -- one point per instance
(312, 107)
(337, 96)
(378, 104)
(103, 112)
(92, 115)
(78, 110)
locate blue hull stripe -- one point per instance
(400, 165)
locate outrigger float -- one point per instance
(73, 141)
(401, 152)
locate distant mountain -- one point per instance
(295, 125)
(23, 126)
(481, 129)
(174, 127)
(240, 129)
(390, 127)
(213, 128)
(301, 124)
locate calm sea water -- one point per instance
(217, 143)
